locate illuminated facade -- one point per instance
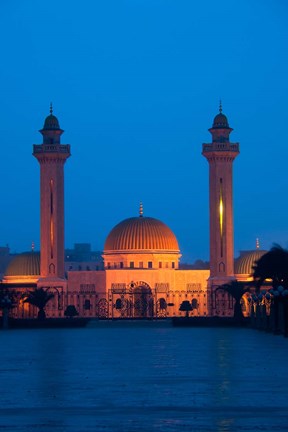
(141, 276)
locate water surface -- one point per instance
(137, 376)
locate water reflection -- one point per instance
(224, 367)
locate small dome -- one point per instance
(51, 123)
(220, 122)
(141, 234)
(25, 264)
(245, 262)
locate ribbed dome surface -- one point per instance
(51, 123)
(141, 233)
(220, 121)
(244, 264)
(26, 264)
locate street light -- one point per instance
(260, 310)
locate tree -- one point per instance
(186, 307)
(39, 298)
(71, 311)
(272, 265)
(236, 290)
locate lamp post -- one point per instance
(260, 308)
(255, 307)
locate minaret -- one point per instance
(220, 155)
(51, 156)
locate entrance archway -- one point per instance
(143, 303)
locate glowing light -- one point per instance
(51, 220)
(221, 210)
(51, 236)
(221, 217)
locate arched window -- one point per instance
(87, 305)
(222, 267)
(118, 304)
(194, 303)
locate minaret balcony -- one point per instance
(220, 147)
(51, 148)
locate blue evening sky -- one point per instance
(135, 84)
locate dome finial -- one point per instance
(32, 246)
(257, 243)
(220, 106)
(141, 209)
(51, 108)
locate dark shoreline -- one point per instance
(83, 322)
(209, 322)
(25, 323)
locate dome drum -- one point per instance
(140, 260)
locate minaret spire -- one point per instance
(257, 243)
(141, 210)
(220, 106)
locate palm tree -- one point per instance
(236, 289)
(272, 265)
(39, 298)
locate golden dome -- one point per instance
(141, 234)
(25, 264)
(244, 264)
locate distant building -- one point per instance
(83, 258)
(197, 265)
(5, 258)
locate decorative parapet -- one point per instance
(220, 147)
(194, 287)
(51, 148)
(161, 287)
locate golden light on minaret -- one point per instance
(221, 211)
